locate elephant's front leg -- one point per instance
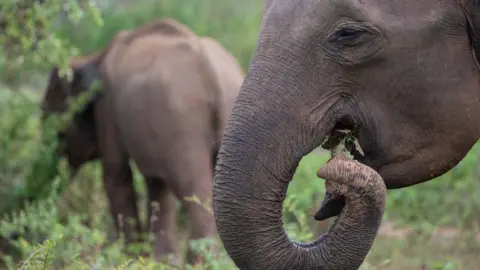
(162, 220)
(118, 182)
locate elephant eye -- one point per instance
(347, 36)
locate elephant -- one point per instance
(165, 99)
(402, 76)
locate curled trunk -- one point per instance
(263, 244)
(253, 171)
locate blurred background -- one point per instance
(66, 224)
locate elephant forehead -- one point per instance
(316, 15)
(418, 16)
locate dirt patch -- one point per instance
(389, 229)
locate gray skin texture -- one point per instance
(347, 242)
(167, 95)
(403, 74)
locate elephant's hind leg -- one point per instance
(193, 178)
(118, 182)
(162, 220)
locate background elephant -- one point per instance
(401, 74)
(166, 99)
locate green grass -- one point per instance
(71, 230)
(421, 252)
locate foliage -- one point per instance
(29, 39)
(28, 35)
(68, 226)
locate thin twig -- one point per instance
(31, 256)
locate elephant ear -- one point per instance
(86, 70)
(80, 136)
(471, 9)
(56, 94)
(59, 89)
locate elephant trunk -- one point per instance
(265, 139)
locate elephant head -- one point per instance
(78, 141)
(401, 74)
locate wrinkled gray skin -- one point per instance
(403, 74)
(166, 100)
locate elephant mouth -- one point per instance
(344, 138)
